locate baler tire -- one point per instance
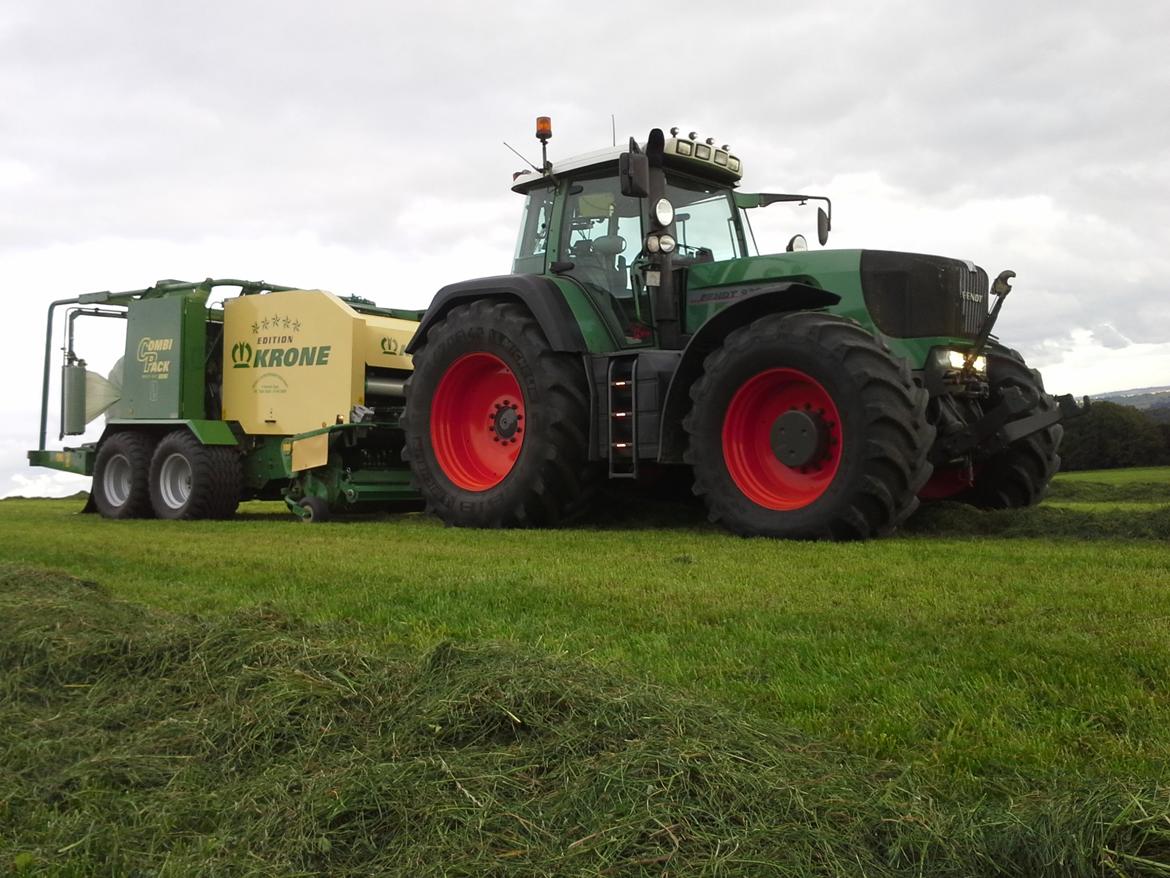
(316, 510)
(131, 497)
(481, 349)
(1018, 476)
(190, 480)
(867, 414)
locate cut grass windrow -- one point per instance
(134, 741)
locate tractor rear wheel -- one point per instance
(121, 476)
(191, 480)
(805, 426)
(1017, 476)
(497, 423)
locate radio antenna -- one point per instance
(613, 128)
(534, 167)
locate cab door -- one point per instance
(601, 235)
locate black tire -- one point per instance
(121, 476)
(316, 510)
(190, 480)
(1017, 476)
(551, 479)
(865, 489)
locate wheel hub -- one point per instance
(782, 439)
(477, 421)
(799, 438)
(506, 421)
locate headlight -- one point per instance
(667, 243)
(652, 244)
(664, 212)
(957, 360)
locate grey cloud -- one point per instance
(1108, 336)
(369, 124)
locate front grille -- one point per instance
(973, 299)
(911, 296)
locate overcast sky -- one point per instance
(357, 147)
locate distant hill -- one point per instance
(1139, 398)
(1154, 401)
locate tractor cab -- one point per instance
(583, 221)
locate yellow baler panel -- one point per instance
(384, 341)
(291, 361)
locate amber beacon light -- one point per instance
(543, 128)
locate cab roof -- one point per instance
(701, 159)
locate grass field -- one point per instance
(980, 657)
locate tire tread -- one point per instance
(898, 435)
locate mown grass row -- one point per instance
(967, 656)
(138, 742)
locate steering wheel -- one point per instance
(609, 245)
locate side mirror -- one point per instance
(823, 226)
(634, 174)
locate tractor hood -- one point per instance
(906, 295)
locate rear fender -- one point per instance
(539, 295)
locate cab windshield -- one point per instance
(705, 221)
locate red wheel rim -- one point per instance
(747, 439)
(477, 421)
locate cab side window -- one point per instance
(532, 245)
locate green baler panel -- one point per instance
(162, 374)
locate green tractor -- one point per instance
(806, 394)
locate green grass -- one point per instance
(1147, 485)
(1105, 505)
(139, 742)
(986, 656)
(1134, 475)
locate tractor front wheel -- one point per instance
(121, 476)
(1017, 476)
(191, 480)
(497, 423)
(805, 426)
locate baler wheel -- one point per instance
(121, 476)
(497, 423)
(190, 480)
(1017, 476)
(316, 510)
(806, 426)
